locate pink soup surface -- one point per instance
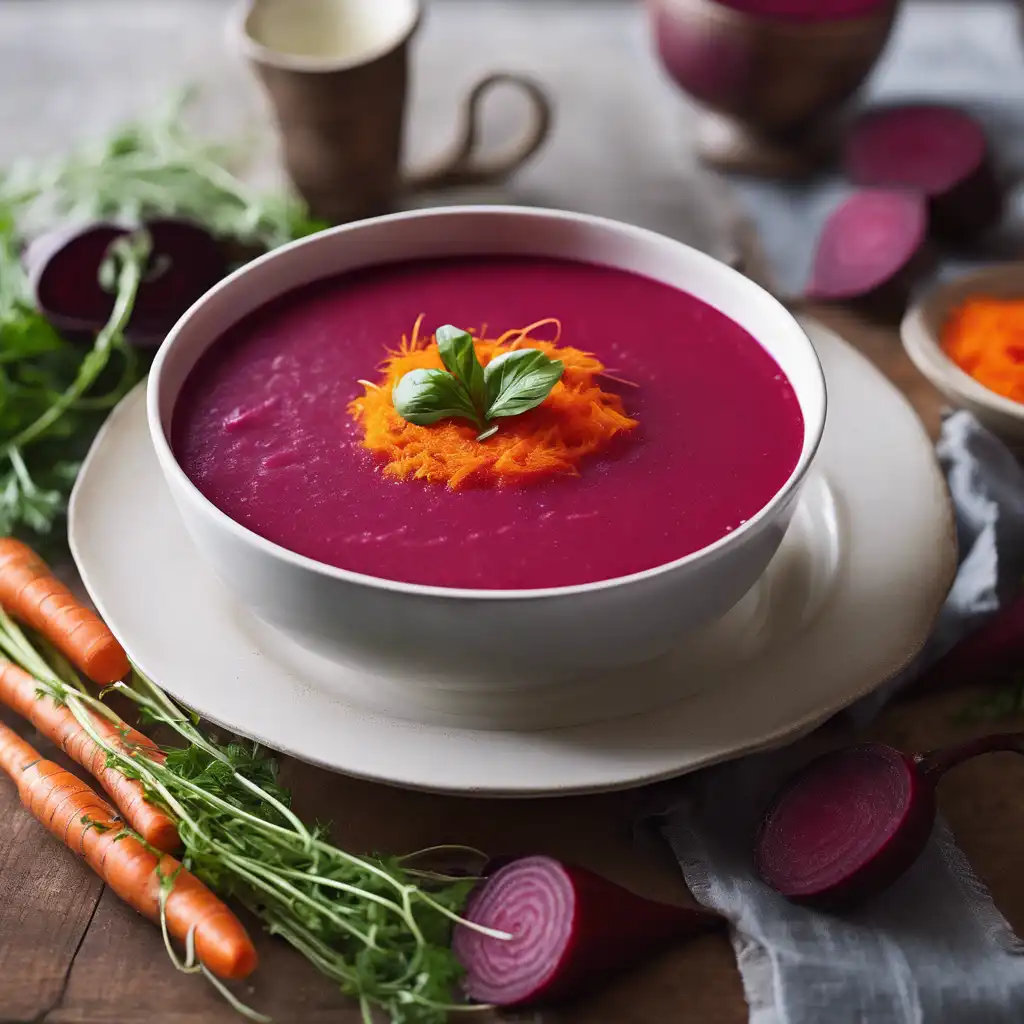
(262, 428)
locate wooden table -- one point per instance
(71, 953)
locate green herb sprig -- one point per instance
(510, 384)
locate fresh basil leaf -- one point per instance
(520, 380)
(456, 349)
(425, 396)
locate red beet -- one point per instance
(871, 251)
(571, 930)
(852, 822)
(64, 271)
(938, 151)
(63, 268)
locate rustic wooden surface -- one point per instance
(71, 953)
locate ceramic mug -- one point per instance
(336, 75)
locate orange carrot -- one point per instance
(89, 826)
(30, 592)
(19, 691)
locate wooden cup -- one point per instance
(336, 75)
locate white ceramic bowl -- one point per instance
(455, 637)
(922, 333)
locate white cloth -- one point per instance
(933, 949)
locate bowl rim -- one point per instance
(174, 473)
(923, 346)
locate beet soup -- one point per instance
(264, 430)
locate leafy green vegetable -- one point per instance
(374, 925)
(513, 383)
(54, 392)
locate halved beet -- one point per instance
(871, 251)
(987, 654)
(63, 268)
(64, 271)
(852, 822)
(571, 931)
(938, 151)
(185, 262)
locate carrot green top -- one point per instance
(576, 419)
(985, 338)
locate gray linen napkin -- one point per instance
(934, 948)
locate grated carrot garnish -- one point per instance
(576, 420)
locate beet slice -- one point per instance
(871, 251)
(64, 272)
(938, 151)
(63, 268)
(185, 262)
(848, 825)
(989, 653)
(571, 930)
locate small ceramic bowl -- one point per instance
(922, 332)
(444, 636)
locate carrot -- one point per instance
(19, 691)
(30, 592)
(89, 826)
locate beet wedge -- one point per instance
(571, 931)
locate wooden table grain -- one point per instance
(71, 953)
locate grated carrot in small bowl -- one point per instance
(576, 420)
(985, 337)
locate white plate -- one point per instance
(849, 601)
